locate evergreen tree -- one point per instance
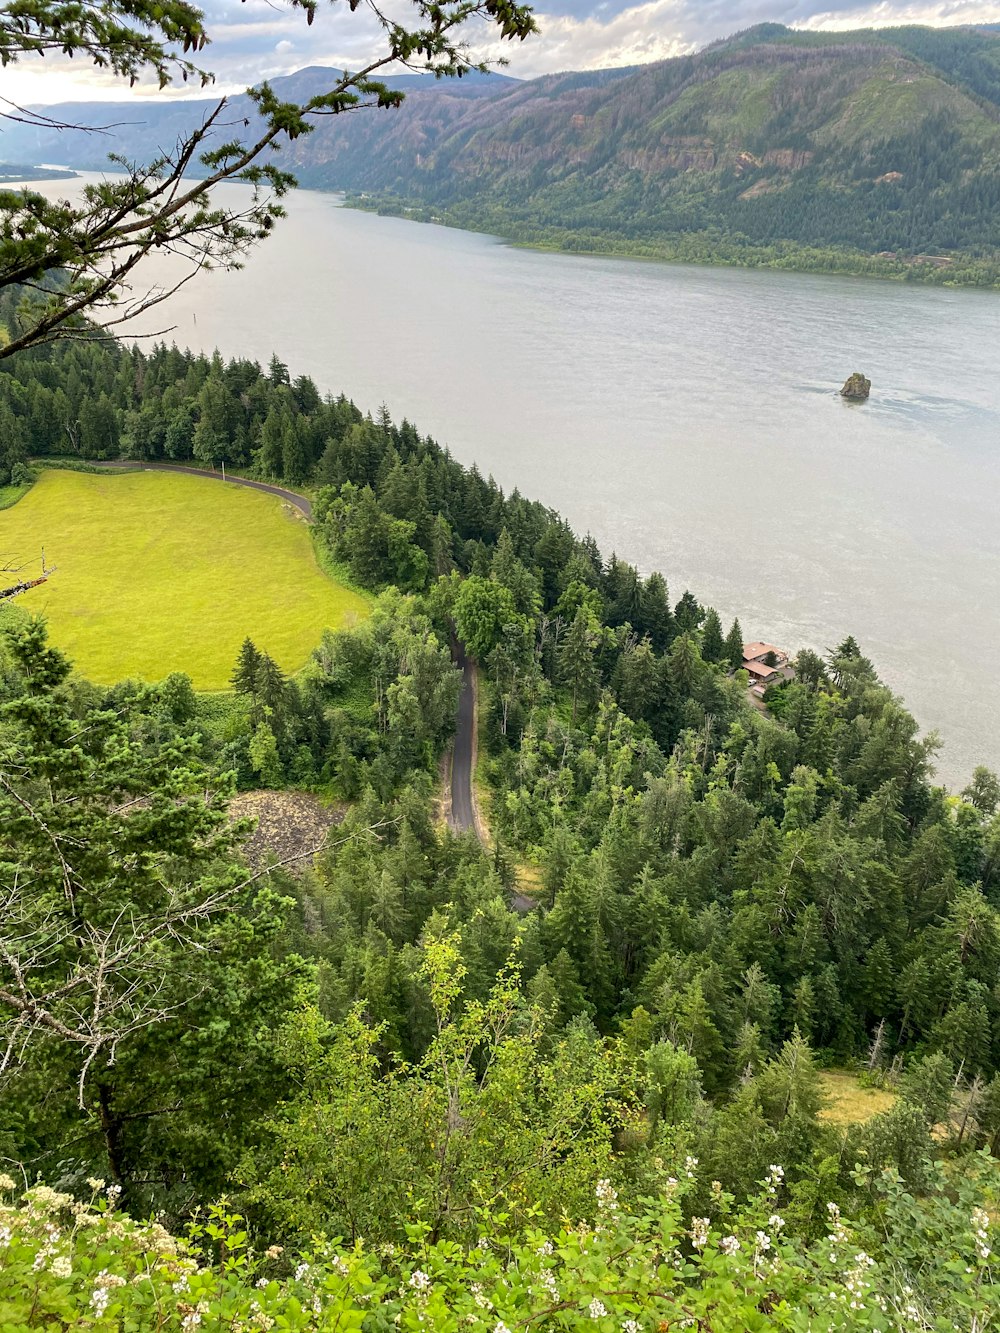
(577, 669)
(244, 677)
(712, 643)
(734, 647)
(688, 615)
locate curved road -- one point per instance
(299, 501)
(462, 816)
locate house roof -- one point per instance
(759, 649)
(758, 669)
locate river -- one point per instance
(687, 417)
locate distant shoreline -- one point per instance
(951, 271)
(14, 173)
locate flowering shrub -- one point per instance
(71, 1264)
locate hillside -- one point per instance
(872, 143)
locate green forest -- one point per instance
(569, 1078)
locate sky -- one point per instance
(257, 39)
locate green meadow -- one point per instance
(161, 572)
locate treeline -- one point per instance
(711, 245)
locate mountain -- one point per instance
(868, 149)
(867, 142)
(141, 130)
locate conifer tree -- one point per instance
(712, 643)
(576, 659)
(734, 646)
(244, 677)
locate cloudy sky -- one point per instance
(260, 38)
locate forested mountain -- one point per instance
(851, 145)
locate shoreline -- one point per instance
(795, 260)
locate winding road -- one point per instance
(301, 502)
(462, 814)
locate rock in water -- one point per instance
(857, 387)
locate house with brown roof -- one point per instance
(760, 673)
(756, 652)
(765, 665)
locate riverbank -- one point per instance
(703, 248)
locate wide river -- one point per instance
(688, 418)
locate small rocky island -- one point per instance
(857, 387)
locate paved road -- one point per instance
(463, 815)
(299, 501)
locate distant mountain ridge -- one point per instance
(883, 145)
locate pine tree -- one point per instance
(270, 453)
(244, 677)
(688, 615)
(655, 614)
(576, 659)
(712, 643)
(734, 647)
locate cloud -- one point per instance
(264, 40)
(581, 34)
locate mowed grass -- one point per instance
(161, 572)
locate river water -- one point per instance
(687, 417)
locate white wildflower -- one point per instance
(699, 1232)
(597, 1309)
(763, 1241)
(980, 1226)
(630, 1326)
(478, 1296)
(545, 1248)
(99, 1298)
(500, 1327)
(301, 1273)
(607, 1196)
(775, 1222)
(729, 1245)
(6, 1182)
(62, 1266)
(419, 1280)
(95, 1183)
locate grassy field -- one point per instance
(160, 572)
(847, 1101)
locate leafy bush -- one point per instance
(69, 1264)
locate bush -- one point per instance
(66, 1265)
